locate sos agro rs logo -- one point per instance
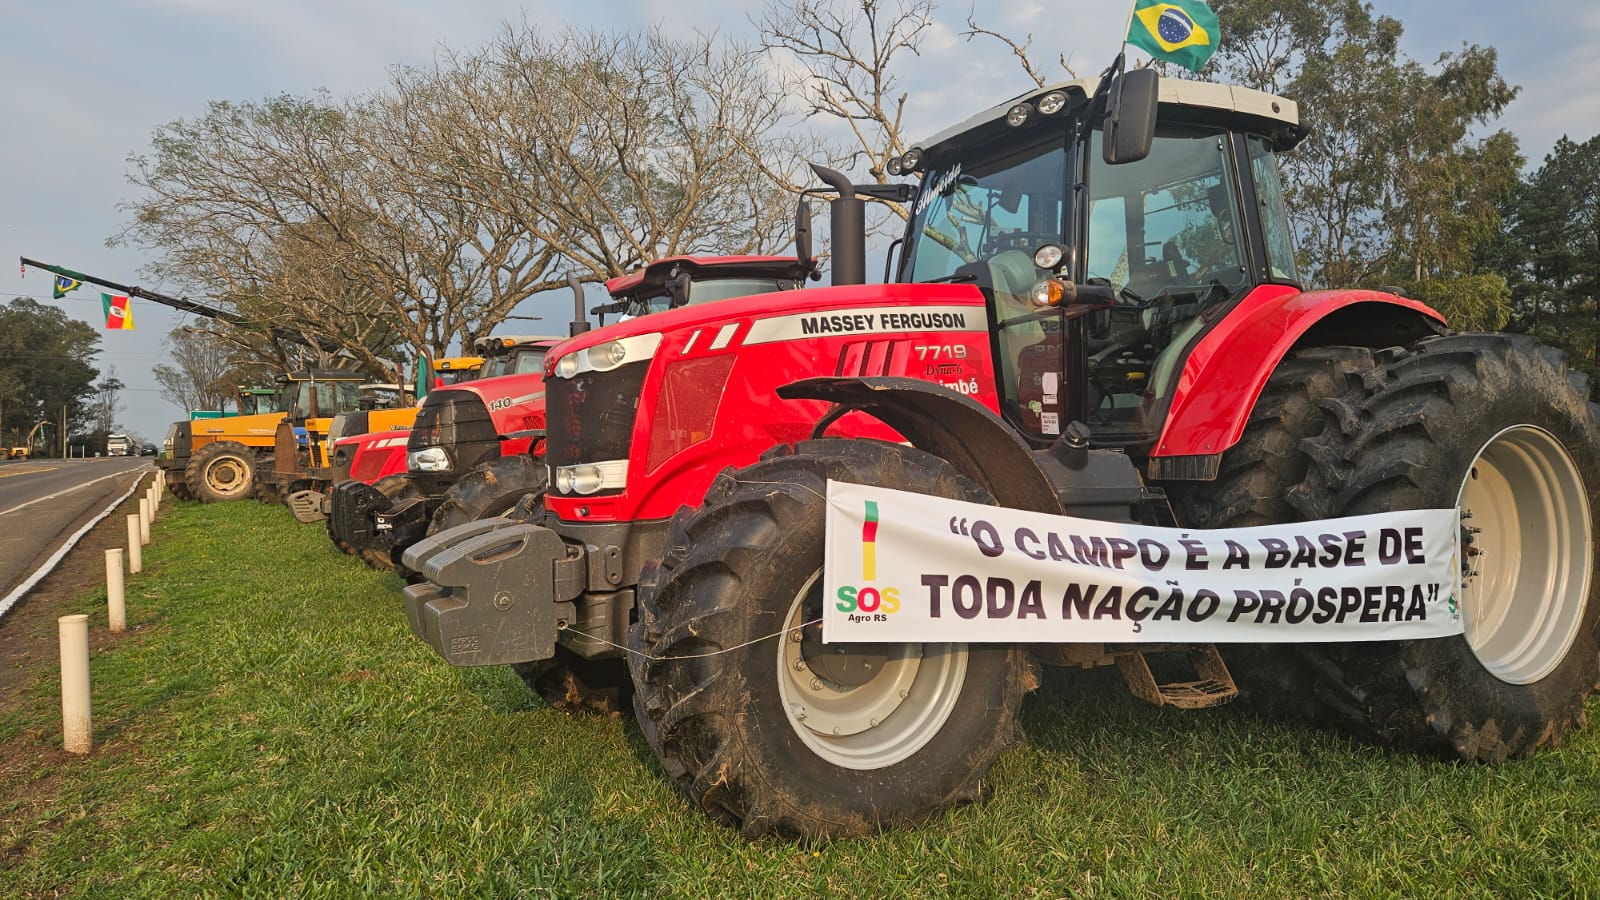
(868, 603)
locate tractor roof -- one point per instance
(324, 375)
(1225, 102)
(504, 343)
(705, 268)
(456, 363)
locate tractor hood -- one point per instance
(809, 311)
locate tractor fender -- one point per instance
(954, 427)
(1224, 374)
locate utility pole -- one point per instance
(63, 431)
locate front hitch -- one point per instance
(497, 591)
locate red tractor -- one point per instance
(472, 452)
(1096, 311)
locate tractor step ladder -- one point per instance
(1213, 685)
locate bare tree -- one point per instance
(423, 214)
(1019, 49)
(204, 372)
(846, 51)
(106, 405)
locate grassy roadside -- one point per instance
(271, 728)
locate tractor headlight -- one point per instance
(609, 355)
(586, 479)
(911, 160)
(591, 478)
(567, 366)
(1049, 256)
(1052, 103)
(893, 165)
(429, 459)
(1018, 116)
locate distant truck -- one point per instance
(120, 445)
(20, 452)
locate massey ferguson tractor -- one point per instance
(1096, 311)
(474, 450)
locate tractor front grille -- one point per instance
(590, 416)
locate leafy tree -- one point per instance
(1391, 185)
(1552, 250)
(45, 364)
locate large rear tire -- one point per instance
(1499, 426)
(1262, 482)
(732, 687)
(222, 471)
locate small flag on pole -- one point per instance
(1185, 32)
(119, 317)
(64, 286)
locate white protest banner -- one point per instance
(909, 567)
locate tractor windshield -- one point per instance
(980, 219)
(319, 399)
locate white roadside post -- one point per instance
(135, 555)
(144, 521)
(116, 604)
(76, 728)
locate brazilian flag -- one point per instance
(1185, 32)
(64, 286)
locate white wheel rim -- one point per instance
(878, 723)
(1527, 582)
(226, 475)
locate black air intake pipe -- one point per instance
(847, 221)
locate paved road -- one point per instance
(42, 502)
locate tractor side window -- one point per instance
(1164, 233)
(1274, 212)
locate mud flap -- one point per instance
(308, 506)
(491, 595)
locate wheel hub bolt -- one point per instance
(799, 711)
(816, 684)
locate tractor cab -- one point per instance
(456, 369)
(321, 393)
(252, 401)
(1100, 277)
(513, 354)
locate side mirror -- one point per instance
(678, 289)
(1130, 125)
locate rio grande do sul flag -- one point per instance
(119, 317)
(1185, 32)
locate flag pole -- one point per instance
(1127, 27)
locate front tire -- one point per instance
(222, 471)
(490, 489)
(397, 487)
(1498, 425)
(733, 691)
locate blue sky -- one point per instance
(89, 80)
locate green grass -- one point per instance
(272, 729)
